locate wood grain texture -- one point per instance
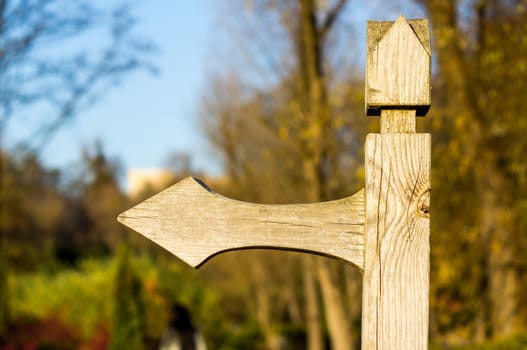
(397, 249)
(398, 66)
(194, 223)
(401, 121)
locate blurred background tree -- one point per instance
(128, 314)
(478, 120)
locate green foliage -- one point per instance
(83, 299)
(128, 323)
(79, 298)
(247, 337)
(517, 342)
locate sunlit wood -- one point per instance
(194, 223)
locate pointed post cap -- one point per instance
(398, 66)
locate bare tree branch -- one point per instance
(331, 17)
(69, 80)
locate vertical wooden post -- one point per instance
(397, 165)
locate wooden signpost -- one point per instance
(383, 230)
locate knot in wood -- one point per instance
(423, 204)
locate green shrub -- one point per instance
(128, 325)
(516, 342)
(80, 298)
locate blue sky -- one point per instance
(143, 120)
(147, 116)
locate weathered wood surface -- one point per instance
(398, 66)
(194, 223)
(393, 120)
(396, 271)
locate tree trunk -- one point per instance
(313, 319)
(497, 232)
(314, 96)
(336, 316)
(264, 315)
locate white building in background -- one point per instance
(139, 180)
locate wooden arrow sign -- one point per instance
(194, 223)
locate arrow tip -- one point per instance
(181, 191)
(168, 218)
